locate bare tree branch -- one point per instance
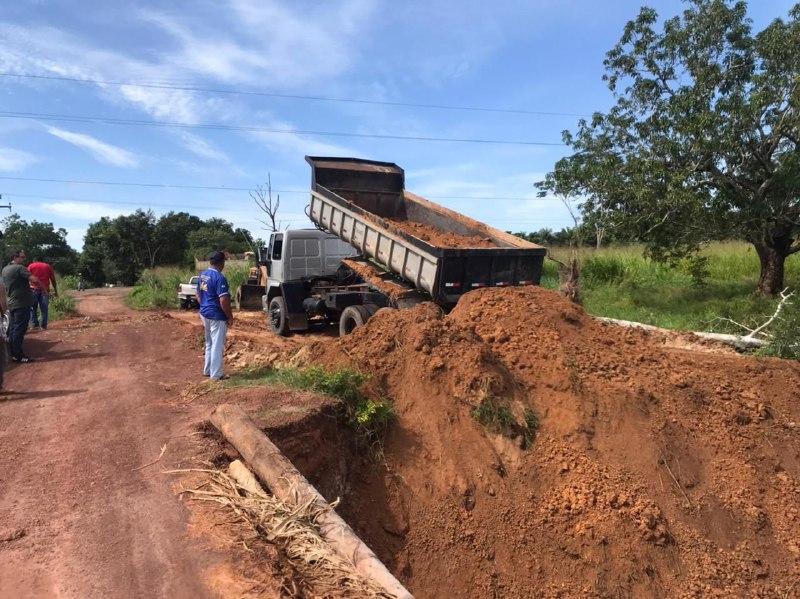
(262, 196)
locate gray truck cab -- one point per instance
(305, 253)
(294, 259)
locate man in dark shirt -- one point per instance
(215, 312)
(18, 282)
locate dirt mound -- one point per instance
(655, 471)
(438, 238)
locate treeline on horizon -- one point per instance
(118, 250)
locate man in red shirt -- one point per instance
(41, 291)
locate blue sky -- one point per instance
(534, 55)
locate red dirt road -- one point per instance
(77, 518)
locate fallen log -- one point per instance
(288, 485)
(742, 343)
(244, 478)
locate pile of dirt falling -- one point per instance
(438, 238)
(655, 471)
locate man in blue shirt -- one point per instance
(215, 312)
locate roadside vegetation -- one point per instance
(61, 307)
(696, 293)
(368, 417)
(157, 287)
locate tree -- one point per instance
(704, 139)
(172, 236)
(41, 241)
(262, 196)
(95, 259)
(217, 234)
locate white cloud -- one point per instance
(102, 151)
(26, 49)
(15, 160)
(199, 146)
(522, 210)
(284, 44)
(84, 210)
(294, 144)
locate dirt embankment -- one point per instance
(439, 238)
(655, 472)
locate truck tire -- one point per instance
(354, 317)
(184, 303)
(278, 317)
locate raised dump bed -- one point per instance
(433, 248)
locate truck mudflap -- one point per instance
(294, 292)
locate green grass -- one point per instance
(157, 288)
(61, 307)
(368, 417)
(495, 415)
(619, 282)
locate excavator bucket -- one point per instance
(248, 297)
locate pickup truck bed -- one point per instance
(364, 203)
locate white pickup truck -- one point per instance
(187, 293)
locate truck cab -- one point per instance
(299, 263)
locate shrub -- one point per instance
(156, 289)
(62, 306)
(696, 266)
(603, 269)
(68, 282)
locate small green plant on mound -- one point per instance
(368, 417)
(531, 427)
(496, 416)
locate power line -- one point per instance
(255, 129)
(317, 98)
(215, 188)
(543, 220)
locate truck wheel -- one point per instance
(354, 317)
(277, 316)
(184, 304)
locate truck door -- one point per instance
(275, 262)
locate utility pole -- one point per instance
(5, 205)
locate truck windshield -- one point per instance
(277, 246)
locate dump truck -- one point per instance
(377, 245)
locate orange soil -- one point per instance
(438, 238)
(656, 471)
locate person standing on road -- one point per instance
(3, 329)
(41, 291)
(18, 280)
(214, 299)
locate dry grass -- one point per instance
(294, 529)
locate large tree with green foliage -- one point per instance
(41, 241)
(217, 234)
(703, 141)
